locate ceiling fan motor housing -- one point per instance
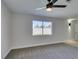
(50, 5)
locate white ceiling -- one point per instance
(29, 6)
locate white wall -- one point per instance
(5, 30)
(22, 31)
(75, 29)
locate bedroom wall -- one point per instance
(22, 31)
(5, 30)
(75, 29)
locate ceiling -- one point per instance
(29, 6)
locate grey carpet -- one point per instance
(60, 51)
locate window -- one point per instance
(47, 28)
(42, 27)
(37, 28)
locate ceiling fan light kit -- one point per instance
(48, 9)
(49, 6)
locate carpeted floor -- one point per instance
(58, 51)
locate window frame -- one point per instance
(42, 33)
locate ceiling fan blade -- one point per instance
(40, 8)
(54, 1)
(59, 6)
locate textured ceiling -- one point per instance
(29, 6)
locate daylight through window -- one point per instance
(42, 27)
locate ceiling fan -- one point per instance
(51, 5)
